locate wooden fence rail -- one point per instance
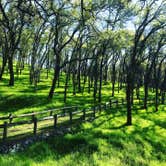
(67, 111)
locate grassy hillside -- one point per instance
(105, 141)
(23, 98)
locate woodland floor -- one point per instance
(104, 141)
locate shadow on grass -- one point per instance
(14, 103)
(136, 145)
(141, 142)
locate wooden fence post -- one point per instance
(5, 131)
(84, 114)
(55, 121)
(35, 126)
(33, 116)
(51, 113)
(110, 103)
(70, 115)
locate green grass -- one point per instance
(22, 98)
(105, 141)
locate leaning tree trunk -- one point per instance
(56, 75)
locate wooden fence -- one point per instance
(53, 115)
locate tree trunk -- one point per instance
(118, 84)
(128, 97)
(4, 62)
(137, 92)
(129, 92)
(106, 74)
(79, 76)
(95, 81)
(89, 84)
(113, 79)
(11, 71)
(163, 97)
(146, 94)
(56, 75)
(156, 99)
(100, 84)
(74, 83)
(66, 84)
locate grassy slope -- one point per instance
(22, 98)
(104, 142)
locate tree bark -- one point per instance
(128, 98)
(113, 79)
(56, 75)
(4, 62)
(101, 79)
(11, 71)
(146, 94)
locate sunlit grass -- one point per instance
(105, 141)
(23, 98)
